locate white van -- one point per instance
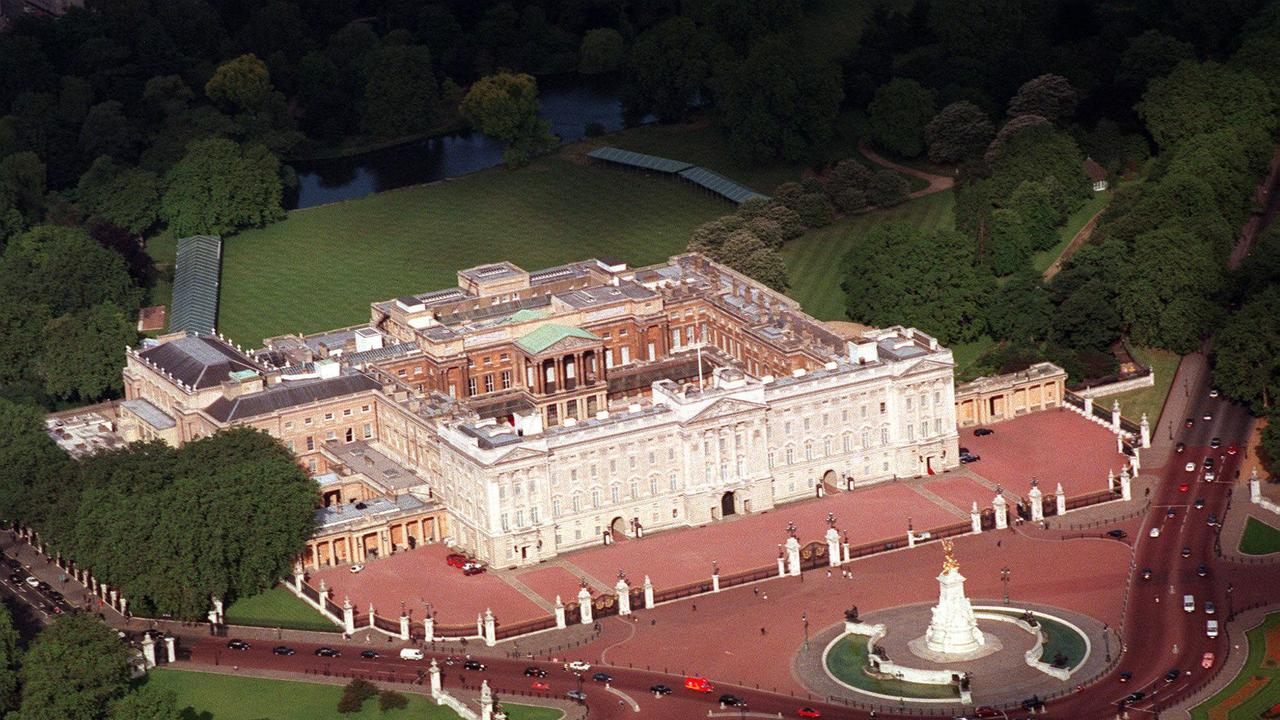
(1189, 603)
(411, 654)
(1211, 628)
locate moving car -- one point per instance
(1232, 449)
(1198, 504)
(1191, 467)
(1213, 519)
(237, 645)
(326, 651)
(1206, 662)
(1189, 603)
(1146, 573)
(1209, 607)
(1170, 512)
(698, 684)
(356, 568)
(1211, 628)
(660, 689)
(1215, 443)
(1180, 447)
(1213, 392)
(1155, 532)
(1202, 570)
(33, 581)
(1209, 476)
(603, 677)
(1172, 675)
(282, 650)
(1208, 463)
(1184, 487)
(456, 560)
(1117, 533)
(1208, 415)
(983, 431)
(411, 654)
(473, 665)
(1186, 552)
(577, 695)
(369, 654)
(540, 685)
(1126, 676)
(808, 712)
(579, 666)
(729, 700)
(1190, 422)
(532, 671)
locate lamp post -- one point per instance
(804, 617)
(1004, 579)
(791, 529)
(831, 519)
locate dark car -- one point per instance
(1146, 573)
(1202, 570)
(1198, 504)
(473, 665)
(43, 586)
(969, 457)
(1172, 675)
(472, 568)
(55, 596)
(1117, 533)
(602, 677)
(1126, 676)
(534, 672)
(577, 695)
(16, 578)
(1032, 703)
(369, 654)
(1190, 422)
(1208, 463)
(731, 701)
(984, 431)
(1180, 447)
(327, 651)
(1186, 552)
(1134, 696)
(282, 650)
(1215, 443)
(1170, 512)
(660, 689)
(237, 645)
(1212, 519)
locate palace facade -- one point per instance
(528, 413)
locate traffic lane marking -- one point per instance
(635, 706)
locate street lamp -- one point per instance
(1004, 578)
(804, 617)
(791, 529)
(831, 519)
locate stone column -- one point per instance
(560, 620)
(324, 593)
(124, 606)
(1255, 488)
(833, 547)
(479, 625)
(584, 605)
(217, 606)
(348, 616)
(1146, 431)
(624, 595)
(715, 580)
(1036, 498)
(490, 628)
(434, 672)
(793, 556)
(115, 597)
(486, 701)
(371, 613)
(1119, 443)
(1088, 407)
(148, 651)
(975, 519)
(648, 593)
(782, 563)
(1061, 498)
(1137, 463)
(844, 549)
(1111, 479)
(1126, 486)
(404, 627)
(429, 629)
(1001, 508)
(1115, 416)
(171, 648)
(299, 575)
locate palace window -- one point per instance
(555, 508)
(346, 412)
(328, 417)
(937, 426)
(520, 518)
(635, 489)
(808, 449)
(791, 456)
(908, 403)
(882, 408)
(884, 436)
(533, 514)
(595, 497)
(311, 443)
(911, 432)
(488, 383)
(675, 482)
(471, 386)
(653, 486)
(506, 379)
(368, 430)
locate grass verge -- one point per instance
(1259, 538)
(209, 696)
(1261, 664)
(847, 659)
(1043, 259)
(277, 607)
(1149, 400)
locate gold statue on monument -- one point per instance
(949, 562)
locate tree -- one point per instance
(1088, 318)
(1048, 96)
(1039, 218)
(898, 114)
(669, 66)
(147, 703)
(400, 91)
(392, 700)
(789, 223)
(814, 209)
(242, 83)
(84, 351)
(1010, 248)
(126, 196)
(887, 189)
(1246, 352)
(1020, 311)
(1202, 97)
(354, 695)
(1165, 303)
(75, 669)
(9, 656)
(960, 132)
(1043, 154)
(87, 274)
(925, 279)
(766, 266)
(778, 103)
(219, 187)
(31, 464)
(505, 107)
(601, 52)
(709, 237)
(22, 184)
(1151, 55)
(1270, 447)
(106, 131)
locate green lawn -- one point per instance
(1149, 400)
(1043, 259)
(1255, 666)
(814, 260)
(967, 355)
(848, 658)
(321, 267)
(163, 249)
(1259, 538)
(278, 607)
(208, 696)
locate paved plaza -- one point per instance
(1052, 446)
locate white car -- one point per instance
(1155, 532)
(356, 568)
(1191, 467)
(579, 666)
(33, 581)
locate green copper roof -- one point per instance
(526, 315)
(550, 334)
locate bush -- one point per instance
(754, 208)
(815, 210)
(788, 220)
(354, 695)
(788, 193)
(768, 230)
(849, 200)
(392, 700)
(593, 129)
(887, 189)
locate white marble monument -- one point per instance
(953, 632)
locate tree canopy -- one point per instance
(1199, 98)
(960, 132)
(219, 187)
(75, 670)
(898, 114)
(505, 107)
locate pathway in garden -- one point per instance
(1081, 237)
(937, 183)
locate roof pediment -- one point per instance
(723, 408)
(521, 453)
(926, 366)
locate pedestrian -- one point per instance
(653, 621)
(762, 632)
(828, 573)
(765, 596)
(998, 543)
(755, 591)
(695, 607)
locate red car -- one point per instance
(1232, 449)
(698, 684)
(539, 685)
(456, 560)
(1184, 487)
(808, 712)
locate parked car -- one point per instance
(980, 432)
(579, 666)
(1232, 449)
(473, 665)
(1172, 675)
(1125, 676)
(1208, 415)
(603, 677)
(456, 560)
(282, 650)
(1180, 447)
(1206, 662)
(1215, 443)
(1146, 573)
(660, 689)
(1170, 512)
(577, 695)
(540, 685)
(1213, 392)
(729, 700)
(1198, 504)
(1134, 697)
(1184, 487)
(1117, 533)
(33, 581)
(356, 568)
(532, 671)
(326, 651)
(1212, 520)
(1190, 467)
(969, 457)
(16, 578)
(1208, 463)
(411, 654)
(472, 568)
(369, 654)
(237, 645)
(1155, 532)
